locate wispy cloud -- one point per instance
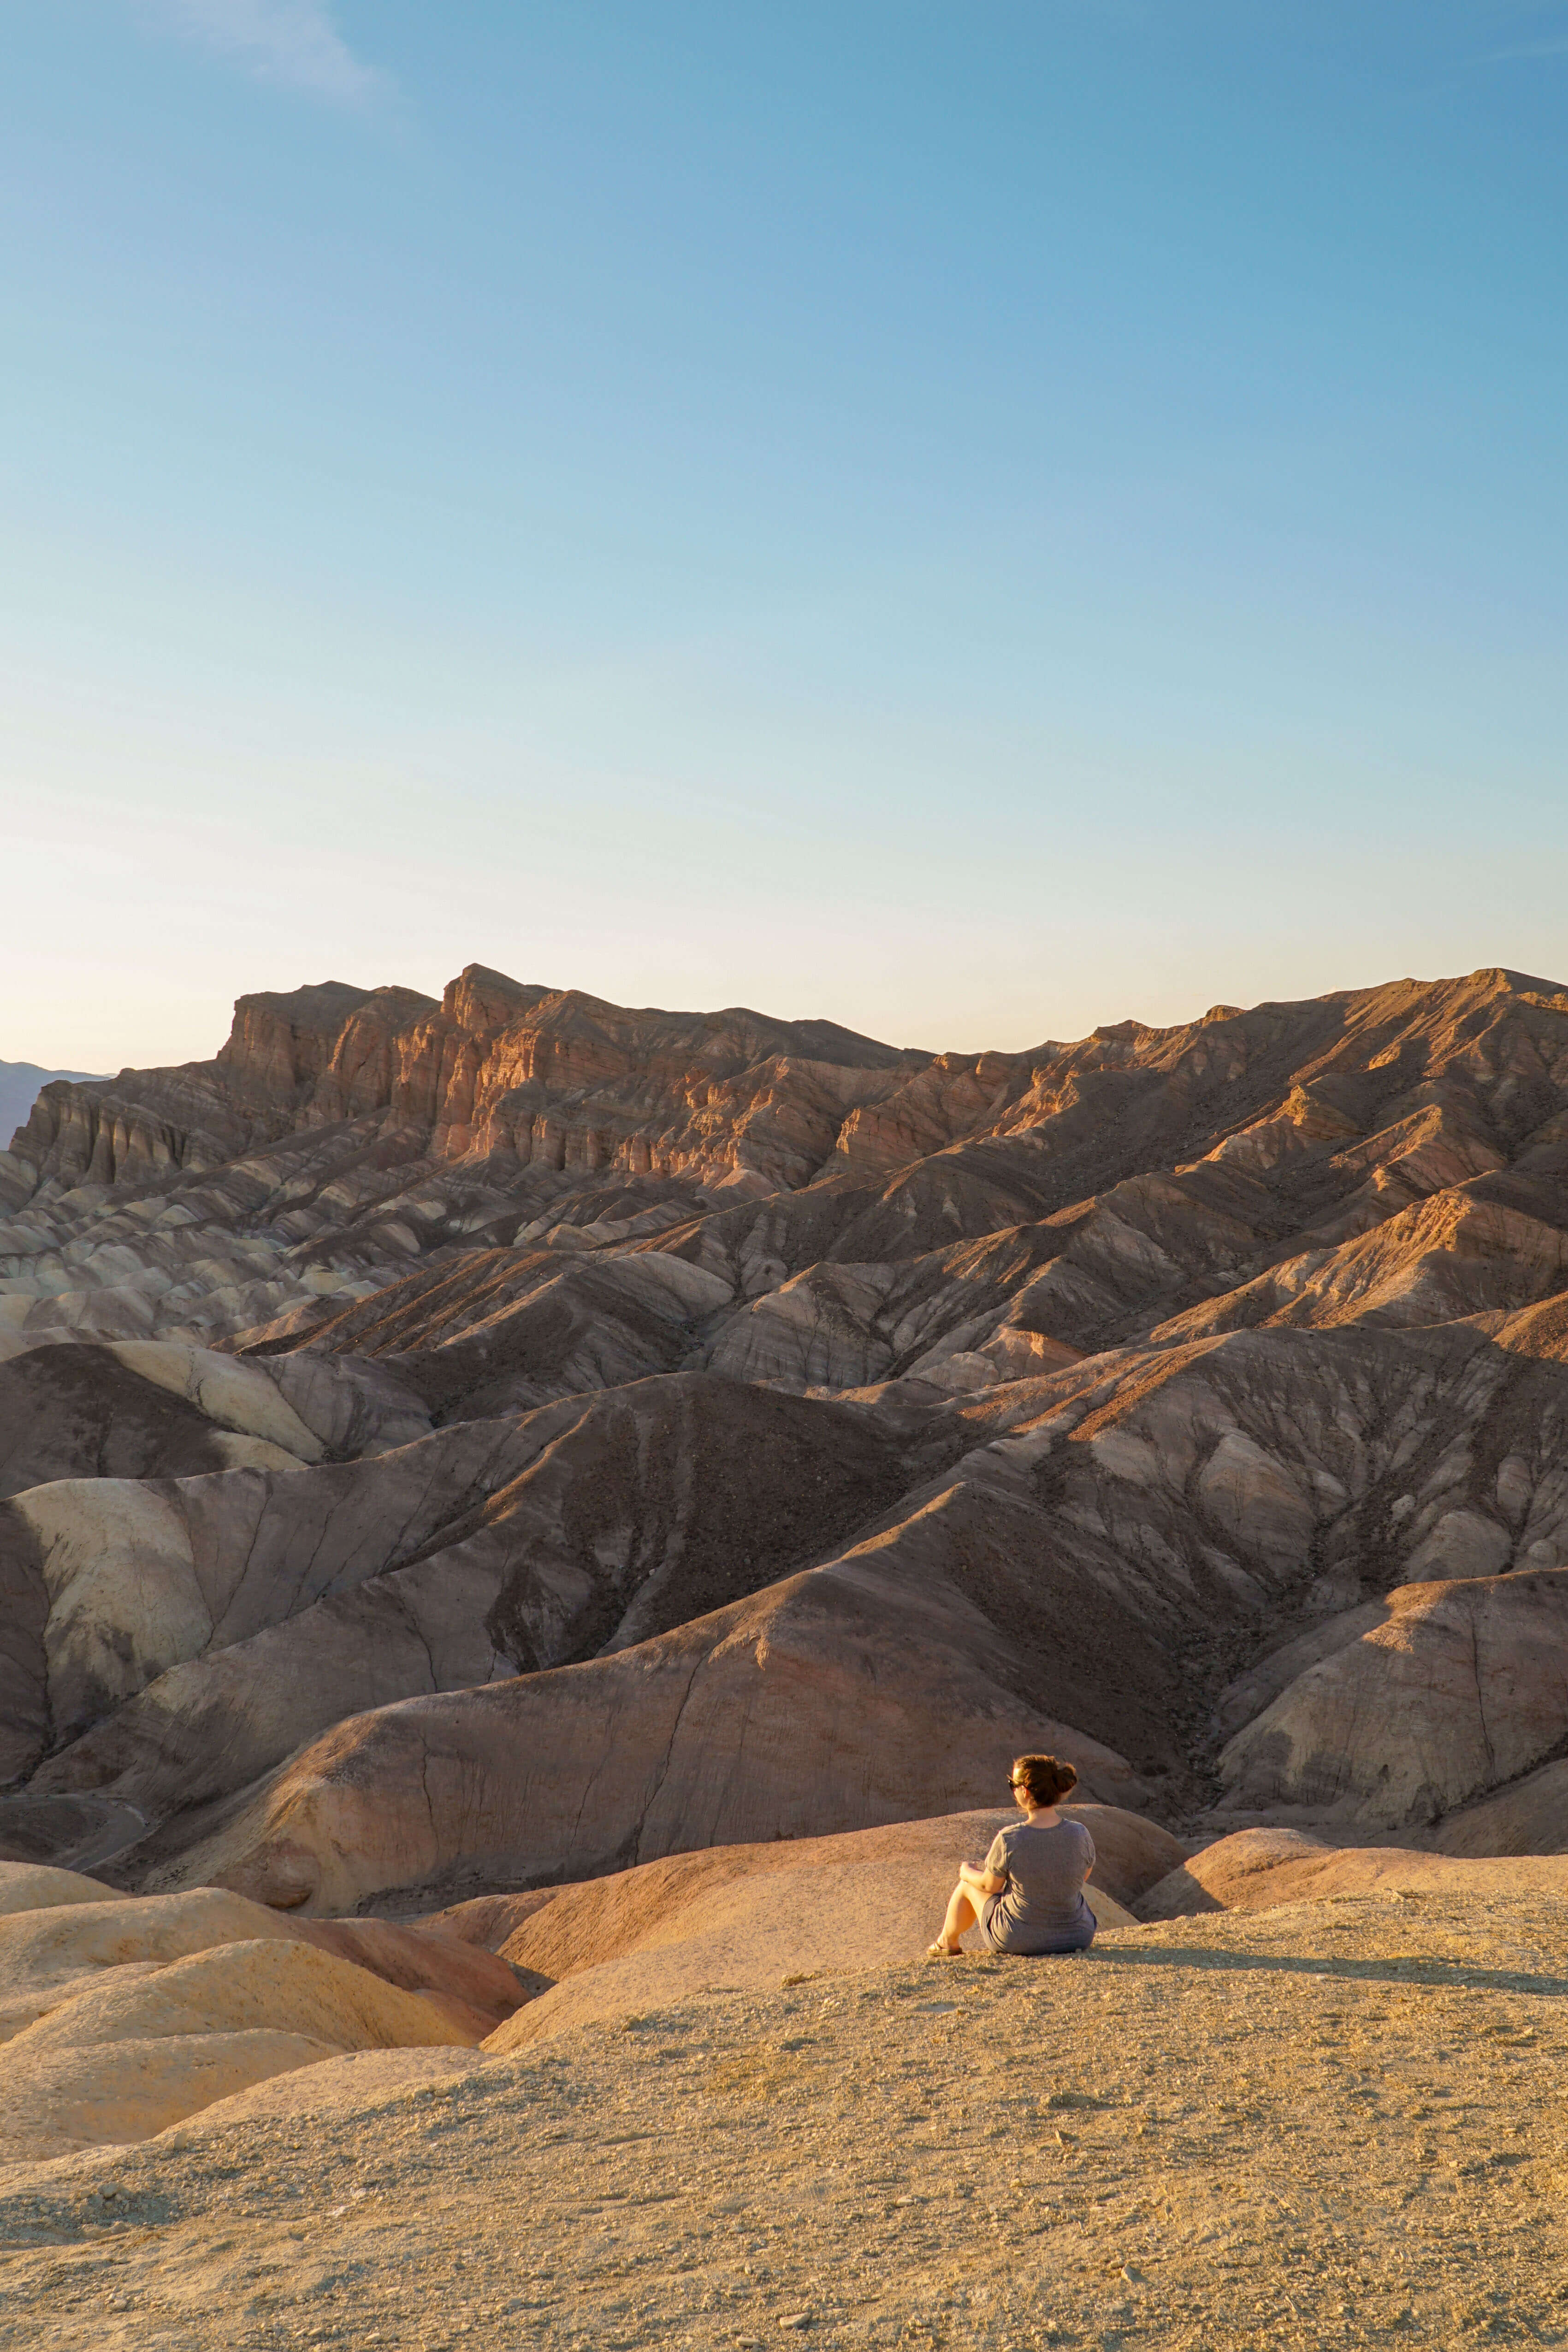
(1547, 37)
(291, 42)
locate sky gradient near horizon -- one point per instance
(967, 522)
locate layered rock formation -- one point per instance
(20, 1085)
(481, 1445)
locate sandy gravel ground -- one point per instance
(1334, 2125)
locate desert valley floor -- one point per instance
(530, 1533)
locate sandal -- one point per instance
(940, 1951)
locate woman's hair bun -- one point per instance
(1045, 1778)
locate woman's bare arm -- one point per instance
(985, 1880)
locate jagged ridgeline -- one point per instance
(480, 1446)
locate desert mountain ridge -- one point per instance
(482, 1068)
(416, 1396)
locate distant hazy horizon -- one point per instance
(970, 523)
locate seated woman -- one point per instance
(1029, 1896)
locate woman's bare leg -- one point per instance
(961, 1917)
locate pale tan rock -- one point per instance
(282, 1985)
(41, 1951)
(65, 2100)
(833, 1699)
(198, 2029)
(1529, 1816)
(743, 1917)
(35, 1886)
(125, 1601)
(1264, 1869)
(238, 1396)
(586, 1526)
(1464, 1544)
(236, 1452)
(1457, 1688)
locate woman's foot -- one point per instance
(940, 1951)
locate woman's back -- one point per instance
(1029, 1896)
(1045, 1868)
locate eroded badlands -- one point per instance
(528, 1503)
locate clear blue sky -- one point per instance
(972, 520)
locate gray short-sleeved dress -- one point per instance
(1043, 1907)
